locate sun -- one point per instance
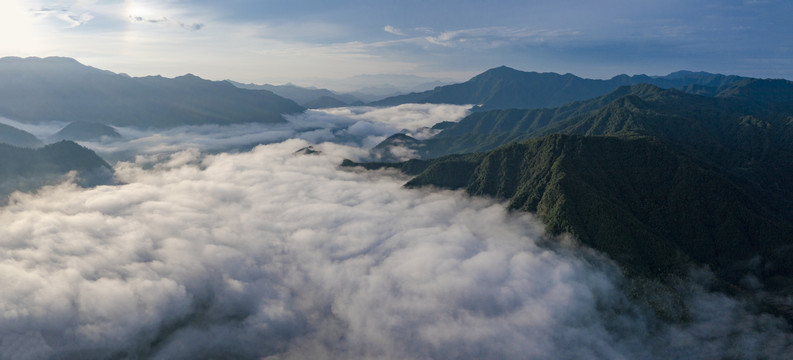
(137, 10)
(18, 27)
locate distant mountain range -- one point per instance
(308, 97)
(507, 88)
(61, 89)
(659, 179)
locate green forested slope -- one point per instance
(646, 204)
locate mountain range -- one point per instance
(308, 97)
(506, 88)
(658, 179)
(657, 172)
(61, 89)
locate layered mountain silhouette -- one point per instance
(740, 110)
(61, 89)
(27, 169)
(658, 179)
(85, 131)
(308, 97)
(507, 88)
(18, 137)
(325, 102)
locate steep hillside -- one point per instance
(648, 205)
(722, 124)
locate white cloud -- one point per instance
(166, 21)
(393, 30)
(71, 18)
(357, 126)
(271, 253)
(493, 37)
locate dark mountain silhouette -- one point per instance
(62, 89)
(507, 88)
(85, 131)
(26, 169)
(17, 137)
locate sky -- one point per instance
(323, 42)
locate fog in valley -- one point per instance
(226, 242)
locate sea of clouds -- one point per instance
(266, 253)
(355, 126)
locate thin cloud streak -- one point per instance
(393, 30)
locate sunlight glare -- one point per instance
(18, 25)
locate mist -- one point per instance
(267, 253)
(354, 126)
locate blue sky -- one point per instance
(320, 42)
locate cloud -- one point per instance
(493, 37)
(393, 30)
(71, 18)
(268, 253)
(355, 126)
(166, 21)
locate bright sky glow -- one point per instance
(320, 42)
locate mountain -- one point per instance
(325, 102)
(506, 88)
(85, 131)
(741, 110)
(658, 179)
(649, 206)
(23, 169)
(301, 95)
(17, 137)
(61, 89)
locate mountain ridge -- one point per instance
(504, 88)
(62, 89)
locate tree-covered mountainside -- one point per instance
(507, 88)
(61, 89)
(648, 205)
(741, 113)
(656, 178)
(17, 137)
(27, 169)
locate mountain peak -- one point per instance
(507, 88)
(683, 74)
(52, 61)
(501, 70)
